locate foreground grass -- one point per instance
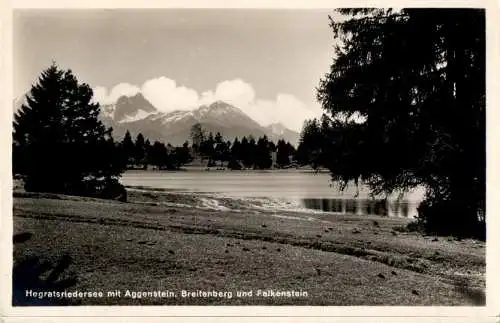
(338, 260)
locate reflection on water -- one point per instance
(310, 190)
(396, 208)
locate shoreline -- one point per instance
(337, 205)
(337, 259)
(202, 168)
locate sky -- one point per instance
(266, 62)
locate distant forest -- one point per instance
(208, 150)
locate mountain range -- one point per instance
(137, 115)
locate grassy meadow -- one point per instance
(150, 243)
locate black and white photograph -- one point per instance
(249, 156)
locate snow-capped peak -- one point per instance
(139, 115)
(218, 108)
(128, 109)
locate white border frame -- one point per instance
(245, 313)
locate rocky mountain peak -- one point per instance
(132, 107)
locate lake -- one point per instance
(306, 189)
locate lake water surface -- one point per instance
(303, 189)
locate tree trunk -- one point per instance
(464, 203)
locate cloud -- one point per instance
(123, 89)
(236, 92)
(100, 94)
(166, 95)
(285, 109)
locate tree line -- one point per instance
(141, 153)
(209, 149)
(244, 153)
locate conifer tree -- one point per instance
(235, 155)
(310, 147)
(283, 153)
(128, 147)
(159, 155)
(197, 137)
(139, 150)
(417, 78)
(60, 144)
(147, 152)
(208, 150)
(263, 159)
(247, 152)
(236, 149)
(182, 155)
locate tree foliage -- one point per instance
(128, 148)
(310, 144)
(263, 159)
(197, 136)
(284, 150)
(140, 150)
(59, 143)
(415, 81)
(212, 149)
